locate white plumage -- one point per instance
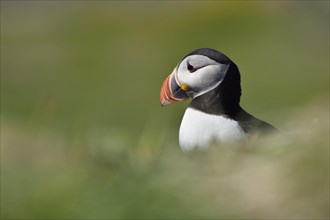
(199, 130)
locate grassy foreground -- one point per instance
(95, 177)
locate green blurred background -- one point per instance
(83, 135)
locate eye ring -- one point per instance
(191, 68)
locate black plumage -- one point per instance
(225, 98)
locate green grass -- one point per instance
(83, 135)
(100, 176)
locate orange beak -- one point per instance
(171, 91)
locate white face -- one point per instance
(201, 74)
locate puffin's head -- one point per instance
(198, 73)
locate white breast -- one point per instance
(199, 130)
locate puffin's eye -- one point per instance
(191, 68)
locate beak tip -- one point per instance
(164, 102)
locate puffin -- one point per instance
(214, 115)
